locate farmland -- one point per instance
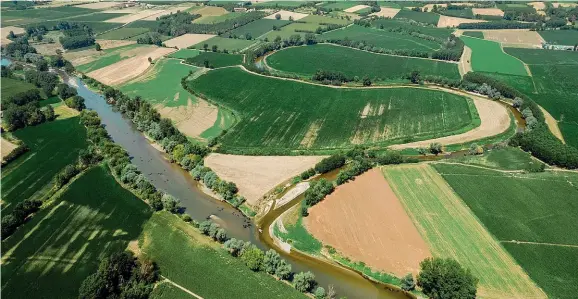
(455, 231)
(230, 44)
(308, 59)
(341, 116)
(381, 38)
(257, 28)
(196, 263)
(64, 242)
(532, 213)
(476, 34)
(421, 17)
(123, 33)
(386, 24)
(53, 145)
(184, 54)
(560, 37)
(12, 87)
(534, 56)
(111, 56)
(215, 59)
(487, 56)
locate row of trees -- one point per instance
(11, 221)
(23, 109)
(181, 22)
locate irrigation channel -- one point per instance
(172, 179)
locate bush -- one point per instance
(330, 163)
(307, 174)
(253, 257)
(304, 281)
(317, 191)
(445, 278)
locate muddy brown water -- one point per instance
(172, 179)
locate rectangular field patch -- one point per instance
(187, 40)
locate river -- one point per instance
(172, 179)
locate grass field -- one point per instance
(284, 114)
(53, 145)
(216, 59)
(96, 17)
(522, 83)
(200, 265)
(487, 56)
(540, 56)
(381, 38)
(352, 62)
(452, 230)
(217, 19)
(123, 33)
(62, 244)
(317, 19)
(184, 54)
(477, 34)
(14, 17)
(539, 208)
(460, 13)
(166, 290)
(286, 31)
(508, 158)
(421, 17)
(230, 44)
(257, 28)
(339, 5)
(108, 57)
(431, 31)
(560, 37)
(12, 87)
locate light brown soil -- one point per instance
(48, 49)
(211, 11)
(386, 12)
(135, 16)
(355, 8)
(558, 4)
(286, 14)
(465, 64)
(552, 124)
(430, 6)
(187, 40)
(6, 30)
(538, 5)
(192, 119)
(128, 69)
(365, 221)
(172, 10)
(488, 11)
(6, 147)
(89, 55)
(446, 21)
(109, 44)
(514, 36)
(99, 5)
(494, 120)
(124, 10)
(256, 175)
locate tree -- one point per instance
(48, 112)
(435, 148)
(42, 65)
(206, 63)
(422, 150)
(277, 16)
(291, 18)
(407, 283)
(415, 77)
(283, 270)
(253, 257)
(97, 47)
(11, 34)
(206, 47)
(150, 60)
(366, 81)
(170, 203)
(271, 261)
(304, 281)
(446, 278)
(234, 246)
(320, 293)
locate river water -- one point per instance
(172, 179)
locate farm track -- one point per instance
(540, 243)
(552, 124)
(181, 287)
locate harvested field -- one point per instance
(446, 21)
(494, 120)
(48, 49)
(256, 175)
(561, 4)
(552, 124)
(165, 12)
(379, 231)
(99, 5)
(135, 16)
(538, 5)
(355, 8)
(187, 40)
(110, 44)
(386, 12)
(514, 36)
(6, 30)
(210, 11)
(452, 230)
(127, 69)
(286, 14)
(192, 119)
(488, 11)
(6, 147)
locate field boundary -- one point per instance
(180, 287)
(539, 243)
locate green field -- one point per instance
(166, 290)
(15, 17)
(307, 60)
(317, 19)
(217, 19)
(202, 266)
(53, 145)
(421, 17)
(230, 44)
(61, 245)
(508, 158)
(12, 87)
(476, 34)
(560, 37)
(524, 84)
(123, 33)
(108, 57)
(257, 28)
(289, 115)
(290, 4)
(340, 5)
(184, 54)
(540, 56)
(96, 17)
(536, 208)
(381, 38)
(216, 59)
(487, 56)
(286, 31)
(453, 231)
(460, 13)
(442, 33)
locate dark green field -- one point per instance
(431, 31)
(257, 28)
(53, 145)
(51, 255)
(123, 33)
(421, 17)
(540, 56)
(96, 17)
(509, 158)
(560, 37)
(524, 84)
(216, 59)
(18, 17)
(525, 208)
(460, 13)
(477, 34)
(381, 38)
(282, 114)
(352, 62)
(12, 87)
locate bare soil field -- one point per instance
(552, 124)
(256, 175)
(446, 21)
(494, 120)
(558, 4)
(465, 64)
(6, 147)
(130, 68)
(99, 5)
(192, 119)
(538, 5)
(430, 6)
(286, 14)
(514, 36)
(488, 11)
(364, 220)
(386, 12)
(355, 8)
(109, 44)
(187, 40)
(168, 12)
(6, 30)
(49, 49)
(135, 16)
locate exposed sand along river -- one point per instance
(177, 182)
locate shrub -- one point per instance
(304, 281)
(330, 163)
(253, 257)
